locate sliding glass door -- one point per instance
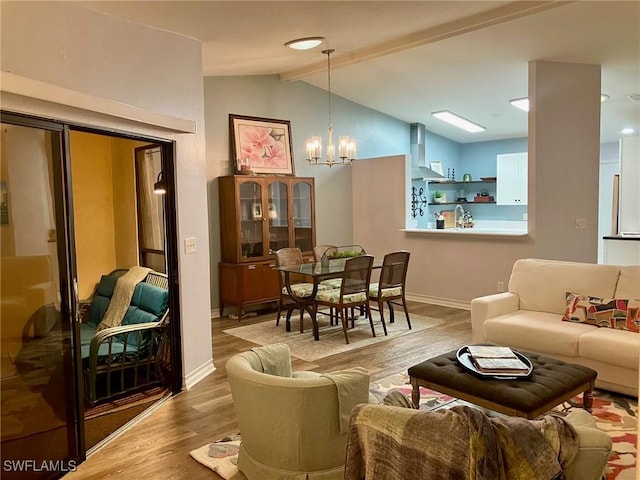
(41, 428)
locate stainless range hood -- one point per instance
(419, 169)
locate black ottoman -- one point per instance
(551, 383)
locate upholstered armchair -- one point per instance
(387, 441)
(292, 424)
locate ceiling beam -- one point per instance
(453, 28)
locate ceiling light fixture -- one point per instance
(346, 145)
(523, 103)
(304, 43)
(627, 131)
(458, 121)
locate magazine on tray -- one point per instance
(493, 359)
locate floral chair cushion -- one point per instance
(386, 292)
(332, 283)
(303, 289)
(333, 296)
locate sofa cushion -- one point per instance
(537, 331)
(615, 313)
(149, 298)
(542, 284)
(100, 301)
(629, 282)
(615, 347)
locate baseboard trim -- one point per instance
(198, 374)
(444, 302)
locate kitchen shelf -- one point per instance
(432, 182)
(462, 203)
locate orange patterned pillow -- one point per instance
(615, 313)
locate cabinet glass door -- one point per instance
(251, 220)
(303, 216)
(278, 216)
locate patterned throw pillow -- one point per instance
(603, 312)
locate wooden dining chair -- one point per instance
(352, 292)
(390, 288)
(286, 257)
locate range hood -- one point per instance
(419, 169)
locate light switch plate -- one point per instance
(190, 245)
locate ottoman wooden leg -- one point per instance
(415, 394)
(587, 400)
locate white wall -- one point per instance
(142, 81)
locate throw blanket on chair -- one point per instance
(462, 443)
(275, 359)
(121, 298)
(353, 388)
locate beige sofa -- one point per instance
(528, 317)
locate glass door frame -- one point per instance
(69, 307)
(67, 255)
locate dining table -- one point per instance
(316, 272)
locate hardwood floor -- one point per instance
(158, 446)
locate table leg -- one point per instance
(587, 400)
(415, 394)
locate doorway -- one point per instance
(71, 195)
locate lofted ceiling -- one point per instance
(408, 59)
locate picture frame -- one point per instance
(256, 211)
(265, 142)
(436, 167)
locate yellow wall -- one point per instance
(104, 206)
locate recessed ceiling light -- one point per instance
(627, 131)
(458, 121)
(304, 43)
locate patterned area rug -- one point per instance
(331, 342)
(615, 414)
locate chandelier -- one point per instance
(346, 146)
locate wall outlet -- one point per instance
(190, 245)
(500, 287)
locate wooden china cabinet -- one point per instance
(258, 216)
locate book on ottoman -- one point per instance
(492, 359)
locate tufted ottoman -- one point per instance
(551, 383)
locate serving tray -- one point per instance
(464, 359)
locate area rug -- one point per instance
(332, 341)
(615, 414)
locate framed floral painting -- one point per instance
(261, 145)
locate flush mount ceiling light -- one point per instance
(523, 103)
(458, 121)
(627, 131)
(304, 43)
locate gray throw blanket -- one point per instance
(353, 388)
(462, 443)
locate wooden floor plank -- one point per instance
(158, 446)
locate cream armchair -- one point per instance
(293, 426)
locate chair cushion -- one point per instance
(332, 283)
(303, 289)
(386, 292)
(333, 296)
(150, 298)
(101, 299)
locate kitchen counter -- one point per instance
(492, 228)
